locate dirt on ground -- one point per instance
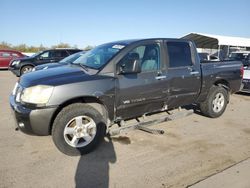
(192, 149)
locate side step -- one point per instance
(150, 120)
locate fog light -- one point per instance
(21, 124)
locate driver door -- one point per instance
(142, 92)
(44, 58)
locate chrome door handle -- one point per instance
(194, 73)
(160, 77)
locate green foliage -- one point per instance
(88, 47)
(26, 48)
(5, 45)
(61, 45)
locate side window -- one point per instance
(64, 53)
(15, 55)
(179, 54)
(5, 54)
(45, 55)
(55, 54)
(148, 55)
(71, 51)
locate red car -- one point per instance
(6, 56)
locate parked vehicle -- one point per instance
(117, 81)
(207, 57)
(65, 61)
(7, 55)
(246, 81)
(243, 56)
(20, 66)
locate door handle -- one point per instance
(194, 72)
(160, 77)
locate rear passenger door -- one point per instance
(183, 73)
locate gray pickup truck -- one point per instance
(78, 103)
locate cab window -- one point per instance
(179, 54)
(148, 55)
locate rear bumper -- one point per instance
(32, 121)
(246, 85)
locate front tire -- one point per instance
(78, 129)
(26, 69)
(216, 102)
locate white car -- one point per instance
(246, 81)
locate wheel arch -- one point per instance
(24, 65)
(92, 101)
(223, 83)
(27, 64)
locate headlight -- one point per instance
(15, 89)
(39, 94)
(15, 62)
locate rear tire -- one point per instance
(78, 129)
(26, 69)
(216, 102)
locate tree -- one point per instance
(26, 48)
(5, 45)
(62, 45)
(88, 48)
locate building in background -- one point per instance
(220, 46)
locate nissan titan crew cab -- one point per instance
(78, 103)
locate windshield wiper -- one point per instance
(83, 66)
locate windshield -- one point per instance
(72, 58)
(99, 56)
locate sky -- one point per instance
(93, 22)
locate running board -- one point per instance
(149, 120)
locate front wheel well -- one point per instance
(92, 101)
(26, 65)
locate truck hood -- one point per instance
(57, 76)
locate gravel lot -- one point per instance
(191, 149)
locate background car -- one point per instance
(207, 57)
(243, 56)
(246, 81)
(7, 55)
(20, 66)
(65, 61)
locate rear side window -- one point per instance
(5, 54)
(179, 54)
(73, 51)
(58, 53)
(64, 53)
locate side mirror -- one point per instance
(129, 64)
(40, 58)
